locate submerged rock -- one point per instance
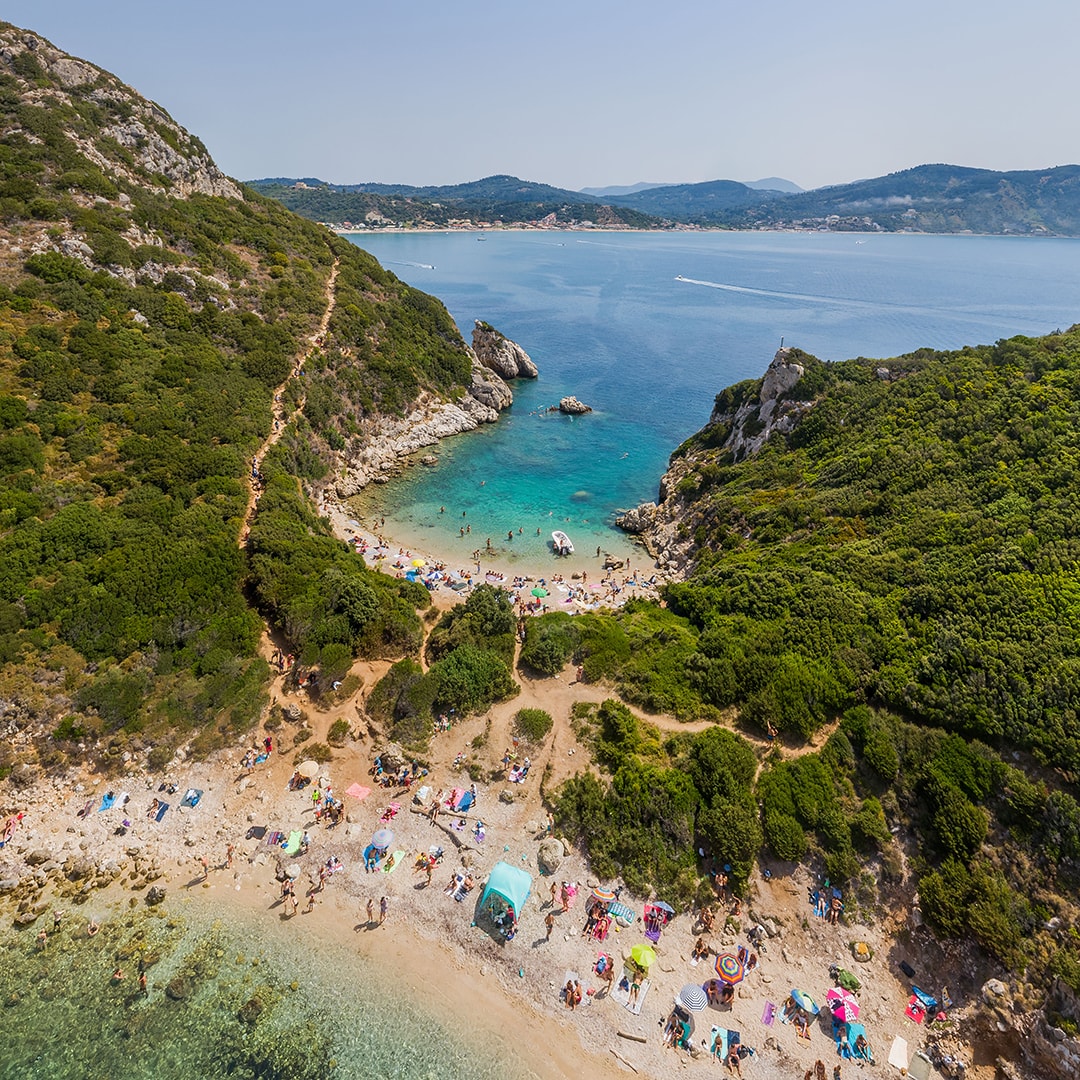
(252, 1009)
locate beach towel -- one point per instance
(292, 845)
(719, 1039)
(358, 791)
(915, 1010)
(570, 976)
(107, 801)
(455, 795)
(394, 861)
(163, 809)
(275, 838)
(621, 994)
(928, 1001)
(768, 1014)
(898, 1058)
(192, 797)
(391, 811)
(261, 758)
(854, 1031)
(623, 915)
(467, 799)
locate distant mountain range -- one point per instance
(929, 198)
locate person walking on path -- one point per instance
(229, 852)
(384, 905)
(56, 917)
(205, 867)
(549, 922)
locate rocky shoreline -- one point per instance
(390, 442)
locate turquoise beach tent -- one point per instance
(511, 884)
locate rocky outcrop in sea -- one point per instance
(498, 353)
(572, 407)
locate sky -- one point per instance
(592, 92)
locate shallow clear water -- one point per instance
(605, 318)
(64, 1018)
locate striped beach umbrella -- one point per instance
(692, 997)
(605, 896)
(805, 1002)
(383, 838)
(730, 968)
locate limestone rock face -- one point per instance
(742, 422)
(573, 407)
(501, 355)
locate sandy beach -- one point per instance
(507, 992)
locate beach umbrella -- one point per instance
(539, 591)
(692, 997)
(419, 562)
(605, 896)
(730, 968)
(805, 1002)
(383, 838)
(664, 906)
(846, 1011)
(839, 996)
(643, 955)
(307, 768)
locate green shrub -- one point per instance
(532, 724)
(785, 836)
(339, 732)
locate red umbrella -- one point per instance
(730, 968)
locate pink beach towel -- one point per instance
(768, 1014)
(358, 791)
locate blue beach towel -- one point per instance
(162, 809)
(192, 797)
(719, 1038)
(107, 801)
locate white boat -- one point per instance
(562, 543)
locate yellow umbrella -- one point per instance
(643, 955)
(419, 562)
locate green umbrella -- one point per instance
(643, 955)
(538, 591)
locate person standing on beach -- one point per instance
(205, 867)
(370, 911)
(554, 892)
(384, 905)
(549, 922)
(56, 917)
(229, 852)
(43, 938)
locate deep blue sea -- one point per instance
(648, 327)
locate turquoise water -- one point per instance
(605, 318)
(326, 1012)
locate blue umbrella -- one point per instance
(383, 838)
(805, 1002)
(664, 906)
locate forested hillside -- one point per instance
(904, 561)
(149, 307)
(495, 198)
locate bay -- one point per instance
(648, 327)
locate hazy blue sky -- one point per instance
(593, 92)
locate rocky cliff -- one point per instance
(499, 354)
(744, 418)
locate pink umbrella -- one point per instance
(843, 1004)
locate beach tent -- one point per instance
(511, 884)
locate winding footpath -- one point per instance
(281, 421)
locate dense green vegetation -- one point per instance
(658, 801)
(140, 345)
(470, 651)
(906, 560)
(495, 198)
